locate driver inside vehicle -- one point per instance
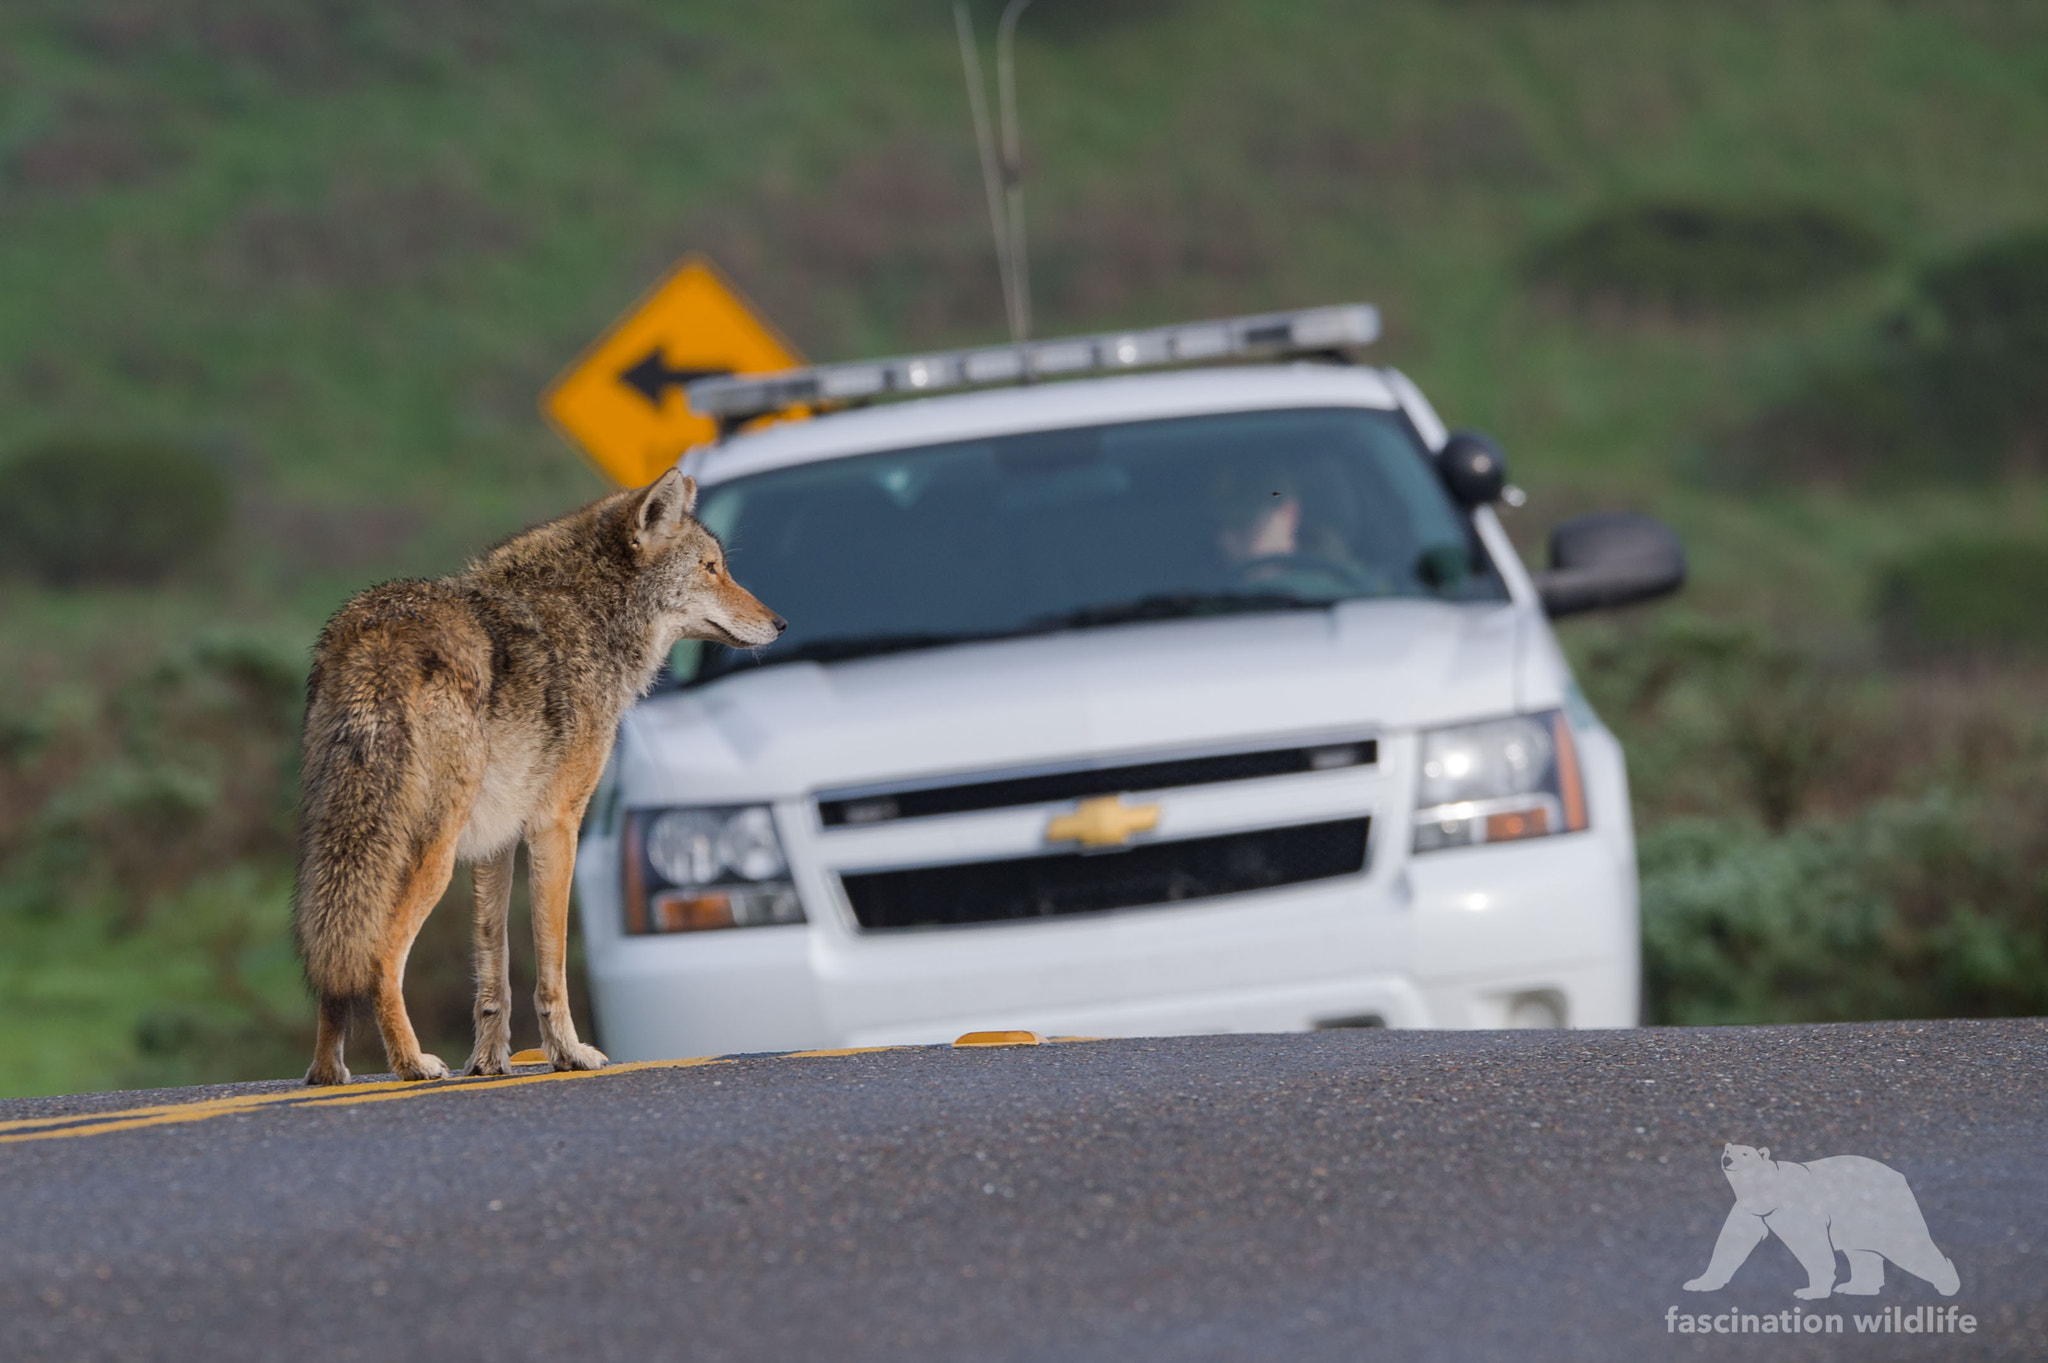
(1272, 530)
(1267, 545)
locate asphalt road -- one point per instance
(1347, 1195)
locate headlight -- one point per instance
(692, 870)
(1497, 781)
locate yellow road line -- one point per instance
(232, 1103)
(389, 1090)
(843, 1050)
(347, 1098)
(175, 1114)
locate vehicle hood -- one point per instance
(793, 728)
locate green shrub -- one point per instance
(1719, 716)
(1949, 387)
(1700, 257)
(186, 765)
(1977, 346)
(109, 511)
(1969, 598)
(1739, 926)
(1926, 908)
(228, 1003)
(1991, 304)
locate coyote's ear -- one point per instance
(663, 505)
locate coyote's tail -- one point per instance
(354, 837)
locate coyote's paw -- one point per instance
(578, 1057)
(424, 1067)
(1811, 1293)
(493, 1064)
(1701, 1284)
(325, 1073)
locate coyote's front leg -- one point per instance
(551, 859)
(492, 882)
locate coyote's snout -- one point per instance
(447, 720)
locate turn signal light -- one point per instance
(691, 912)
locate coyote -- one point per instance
(447, 720)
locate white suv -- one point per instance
(1199, 701)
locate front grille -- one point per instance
(1050, 788)
(1076, 882)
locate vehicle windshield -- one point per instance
(1088, 527)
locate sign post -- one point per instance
(623, 400)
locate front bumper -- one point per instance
(1450, 939)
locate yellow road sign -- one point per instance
(623, 402)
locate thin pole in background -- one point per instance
(991, 175)
(1013, 166)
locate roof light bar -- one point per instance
(1273, 334)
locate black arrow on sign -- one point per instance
(651, 376)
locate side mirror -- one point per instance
(1473, 468)
(1609, 559)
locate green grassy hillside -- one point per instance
(337, 251)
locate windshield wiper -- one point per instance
(1171, 606)
(1166, 606)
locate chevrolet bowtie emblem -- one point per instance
(1103, 822)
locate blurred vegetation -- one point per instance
(1823, 840)
(109, 510)
(1972, 598)
(1926, 908)
(1772, 272)
(1698, 257)
(1947, 386)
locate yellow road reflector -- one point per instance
(534, 1056)
(624, 400)
(1001, 1039)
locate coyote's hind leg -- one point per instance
(492, 880)
(423, 888)
(328, 1045)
